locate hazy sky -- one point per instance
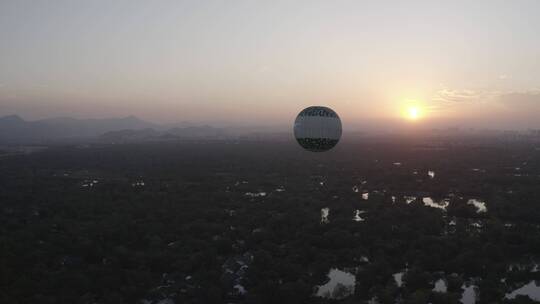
(463, 63)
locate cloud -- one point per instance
(508, 109)
(448, 96)
(451, 101)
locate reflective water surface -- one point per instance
(340, 285)
(532, 289)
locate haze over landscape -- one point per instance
(243, 63)
(262, 152)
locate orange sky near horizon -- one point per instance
(245, 63)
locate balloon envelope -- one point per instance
(317, 128)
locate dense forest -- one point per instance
(265, 222)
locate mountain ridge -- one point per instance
(64, 129)
(15, 129)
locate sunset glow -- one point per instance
(231, 63)
(412, 112)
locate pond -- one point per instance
(357, 217)
(340, 285)
(324, 215)
(440, 286)
(532, 290)
(280, 189)
(428, 201)
(469, 294)
(409, 199)
(255, 194)
(480, 205)
(398, 277)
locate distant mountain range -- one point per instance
(125, 136)
(14, 129)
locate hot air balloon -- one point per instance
(317, 128)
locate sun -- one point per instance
(413, 112)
